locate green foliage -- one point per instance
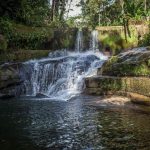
(115, 39)
(125, 69)
(146, 40)
(26, 11)
(21, 55)
(134, 9)
(24, 37)
(3, 44)
(34, 12)
(107, 12)
(109, 64)
(139, 70)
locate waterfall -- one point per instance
(79, 41)
(94, 40)
(61, 75)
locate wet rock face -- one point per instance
(135, 62)
(9, 80)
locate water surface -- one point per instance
(33, 124)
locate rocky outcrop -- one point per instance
(9, 80)
(126, 74)
(134, 62)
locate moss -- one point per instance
(20, 56)
(145, 41)
(115, 39)
(127, 69)
(132, 70)
(113, 85)
(20, 36)
(109, 64)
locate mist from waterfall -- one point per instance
(61, 75)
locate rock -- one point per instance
(139, 99)
(5, 96)
(101, 85)
(136, 88)
(135, 62)
(9, 80)
(126, 74)
(41, 95)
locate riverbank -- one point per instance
(126, 74)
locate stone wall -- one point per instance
(140, 29)
(108, 85)
(114, 37)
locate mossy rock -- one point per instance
(9, 76)
(135, 62)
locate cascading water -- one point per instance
(94, 40)
(79, 41)
(61, 75)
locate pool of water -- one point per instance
(33, 124)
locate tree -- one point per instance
(26, 11)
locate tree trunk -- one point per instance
(52, 10)
(125, 30)
(69, 8)
(145, 5)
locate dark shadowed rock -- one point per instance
(9, 80)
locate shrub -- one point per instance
(146, 40)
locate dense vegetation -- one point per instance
(109, 12)
(27, 24)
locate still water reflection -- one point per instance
(30, 124)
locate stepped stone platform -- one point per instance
(136, 88)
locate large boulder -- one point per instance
(135, 62)
(9, 80)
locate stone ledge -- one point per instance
(136, 88)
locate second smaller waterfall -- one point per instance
(79, 41)
(94, 40)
